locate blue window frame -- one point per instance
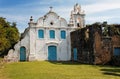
(117, 51)
(52, 34)
(40, 33)
(75, 54)
(63, 34)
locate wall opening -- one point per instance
(22, 53)
(52, 53)
(116, 51)
(75, 54)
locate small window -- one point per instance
(63, 34)
(51, 23)
(117, 51)
(40, 33)
(52, 34)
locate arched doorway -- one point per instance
(22, 54)
(52, 53)
(75, 54)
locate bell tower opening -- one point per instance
(77, 17)
(78, 25)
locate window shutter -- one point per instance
(40, 33)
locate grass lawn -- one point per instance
(57, 70)
(1, 58)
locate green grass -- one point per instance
(1, 58)
(58, 70)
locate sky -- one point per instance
(19, 11)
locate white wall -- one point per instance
(43, 43)
(24, 42)
(37, 48)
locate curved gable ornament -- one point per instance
(51, 19)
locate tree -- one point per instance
(9, 36)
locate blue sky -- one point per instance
(19, 11)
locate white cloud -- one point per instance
(22, 20)
(99, 7)
(108, 18)
(64, 11)
(39, 9)
(15, 18)
(97, 19)
(103, 6)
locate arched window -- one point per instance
(63, 34)
(41, 33)
(52, 34)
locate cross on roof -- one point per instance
(51, 8)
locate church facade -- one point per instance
(48, 38)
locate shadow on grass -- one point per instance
(111, 71)
(67, 63)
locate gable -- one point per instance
(51, 19)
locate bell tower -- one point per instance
(77, 18)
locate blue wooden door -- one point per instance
(75, 54)
(22, 54)
(52, 53)
(116, 51)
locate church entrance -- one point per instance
(52, 53)
(22, 54)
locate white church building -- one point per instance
(48, 38)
